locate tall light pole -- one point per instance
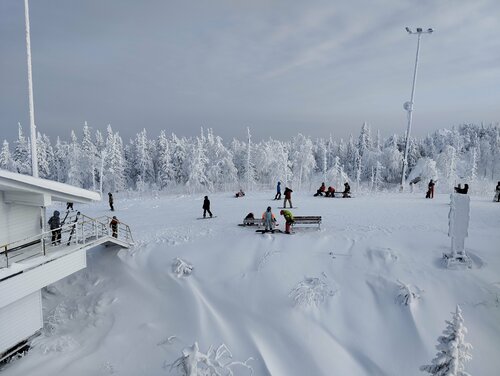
(34, 160)
(408, 106)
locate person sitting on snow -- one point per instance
(321, 190)
(240, 193)
(250, 216)
(269, 220)
(347, 190)
(330, 192)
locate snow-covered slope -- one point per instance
(315, 303)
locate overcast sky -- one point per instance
(278, 66)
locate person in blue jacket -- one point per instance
(278, 191)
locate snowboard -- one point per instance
(281, 207)
(207, 217)
(273, 232)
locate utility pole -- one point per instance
(408, 106)
(34, 159)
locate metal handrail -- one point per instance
(79, 227)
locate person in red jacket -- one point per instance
(330, 192)
(321, 190)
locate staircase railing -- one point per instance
(77, 229)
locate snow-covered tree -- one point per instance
(302, 159)
(453, 351)
(22, 153)
(74, 162)
(6, 162)
(165, 167)
(196, 168)
(89, 159)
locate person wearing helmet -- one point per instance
(55, 226)
(269, 220)
(288, 219)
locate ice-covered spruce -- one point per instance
(181, 268)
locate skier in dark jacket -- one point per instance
(206, 207)
(278, 191)
(288, 197)
(463, 190)
(430, 190)
(114, 226)
(110, 200)
(69, 206)
(497, 193)
(55, 226)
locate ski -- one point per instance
(73, 228)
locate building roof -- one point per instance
(14, 182)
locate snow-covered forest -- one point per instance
(93, 160)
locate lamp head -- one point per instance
(408, 29)
(419, 29)
(430, 30)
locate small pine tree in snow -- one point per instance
(216, 362)
(181, 268)
(377, 179)
(6, 162)
(407, 295)
(453, 351)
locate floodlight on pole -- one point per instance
(34, 159)
(408, 106)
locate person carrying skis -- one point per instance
(110, 200)
(497, 193)
(430, 190)
(269, 220)
(278, 191)
(288, 197)
(206, 207)
(288, 220)
(321, 190)
(347, 190)
(114, 226)
(55, 226)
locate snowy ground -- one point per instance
(129, 314)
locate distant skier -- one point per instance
(288, 197)
(206, 207)
(430, 189)
(55, 226)
(110, 200)
(330, 192)
(278, 191)
(288, 220)
(497, 193)
(69, 206)
(269, 219)
(321, 190)
(347, 190)
(240, 193)
(114, 226)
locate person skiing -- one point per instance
(288, 197)
(269, 220)
(110, 200)
(288, 219)
(206, 207)
(347, 190)
(114, 226)
(321, 190)
(278, 191)
(55, 226)
(430, 190)
(330, 192)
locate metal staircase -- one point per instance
(79, 231)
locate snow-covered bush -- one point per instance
(453, 351)
(407, 295)
(181, 268)
(311, 292)
(216, 362)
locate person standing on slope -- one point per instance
(288, 197)
(269, 220)
(278, 191)
(430, 191)
(288, 220)
(206, 207)
(497, 193)
(110, 200)
(347, 190)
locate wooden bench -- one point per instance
(307, 220)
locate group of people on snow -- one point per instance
(269, 219)
(330, 192)
(287, 193)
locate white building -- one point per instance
(28, 260)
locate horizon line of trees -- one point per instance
(95, 161)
